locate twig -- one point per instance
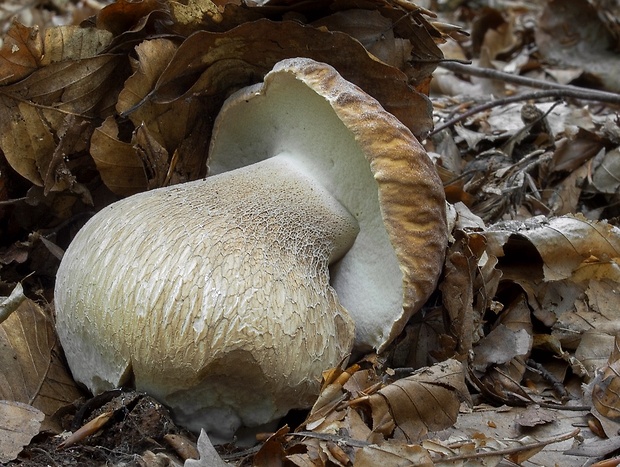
(508, 451)
(549, 89)
(356, 443)
(568, 90)
(536, 95)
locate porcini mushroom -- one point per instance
(227, 297)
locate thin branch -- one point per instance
(569, 91)
(536, 95)
(549, 89)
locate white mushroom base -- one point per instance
(213, 296)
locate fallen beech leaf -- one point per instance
(272, 452)
(373, 30)
(457, 287)
(572, 34)
(606, 177)
(33, 112)
(392, 454)
(31, 370)
(208, 455)
(606, 390)
(153, 155)
(500, 346)
(20, 54)
(119, 165)
(187, 15)
(124, 15)
(594, 349)
(212, 63)
(564, 243)
(73, 43)
(18, 424)
(572, 152)
(429, 400)
(153, 58)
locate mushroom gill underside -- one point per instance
(213, 296)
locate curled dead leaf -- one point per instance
(427, 401)
(30, 366)
(21, 53)
(564, 243)
(19, 423)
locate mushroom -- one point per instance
(226, 298)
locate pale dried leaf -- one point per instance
(191, 14)
(606, 391)
(571, 33)
(31, 370)
(564, 243)
(19, 423)
(20, 54)
(594, 349)
(208, 455)
(73, 43)
(606, 177)
(500, 346)
(429, 400)
(393, 454)
(153, 57)
(118, 163)
(33, 112)
(250, 50)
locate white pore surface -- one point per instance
(288, 118)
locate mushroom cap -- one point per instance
(370, 162)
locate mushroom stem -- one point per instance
(234, 306)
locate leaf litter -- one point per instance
(514, 359)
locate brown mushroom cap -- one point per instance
(370, 162)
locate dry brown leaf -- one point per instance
(34, 112)
(574, 150)
(119, 165)
(606, 390)
(271, 452)
(186, 16)
(21, 53)
(19, 423)
(457, 289)
(374, 31)
(127, 15)
(570, 33)
(31, 370)
(153, 155)
(427, 401)
(392, 454)
(153, 58)
(215, 63)
(564, 243)
(594, 349)
(500, 346)
(73, 43)
(606, 177)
